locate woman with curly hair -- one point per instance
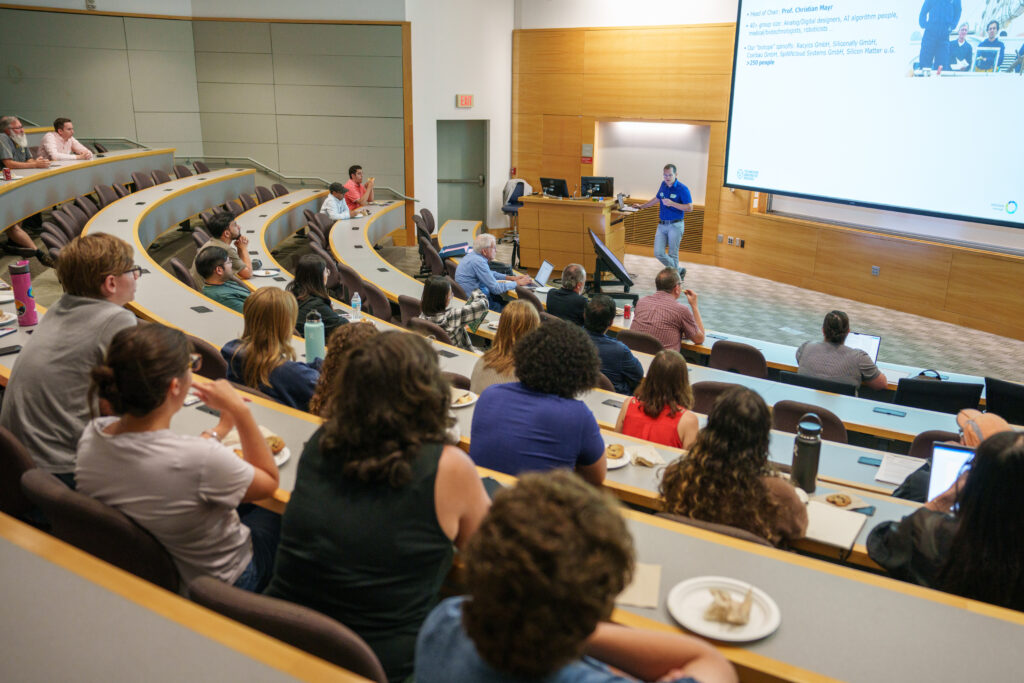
(542, 574)
(264, 358)
(380, 500)
(497, 365)
(310, 290)
(537, 423)
(726, 477)
(339, 347)
(660, 411)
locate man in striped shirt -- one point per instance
(663, 317)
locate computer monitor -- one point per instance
(597, 186)
(868, 343)
(554, 187)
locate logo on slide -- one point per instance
(1011, 207)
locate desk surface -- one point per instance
(41, 188)
(72, 617)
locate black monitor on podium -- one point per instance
(554, 187)
(597, 186)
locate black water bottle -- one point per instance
(806, 451)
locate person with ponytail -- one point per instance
(832, 359)
(380, 499)
(264, 357)
(183, 489)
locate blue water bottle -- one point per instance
(357, 305)
(314, 333)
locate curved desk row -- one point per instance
(777, 356)
(106, 624)
(41, 188)
(811, 644)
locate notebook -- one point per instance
(868, 343)
(541, 278)
(832, 526)
(948, 461)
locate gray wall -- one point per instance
(306, 99)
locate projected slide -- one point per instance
(913, 105)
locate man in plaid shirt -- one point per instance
(663, 317)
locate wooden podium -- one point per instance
(557, 230)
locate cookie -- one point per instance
(614, 451)
(838, 499)
(276, 444)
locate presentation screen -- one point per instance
(912, 105)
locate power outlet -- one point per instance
(743, 243)
(875, 270)
(729, 240)
(721, 237)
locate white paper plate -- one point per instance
(456, 393)
(614, 464)
(492, 325)
(6, 318)
(269, 272)
(283, 457)
(6, 298)
(688, 601)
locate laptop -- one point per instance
(867, 343)
(541, 278)
(948, 461)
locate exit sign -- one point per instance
(463, 101)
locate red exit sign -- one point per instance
(463, 101)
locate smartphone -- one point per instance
(191, 400)
(865, 460)
(8, 350)
(890, 411)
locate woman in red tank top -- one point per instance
(660, 410)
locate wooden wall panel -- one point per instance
(562, 167)
(773, 249)
(987, 287)
(561, 136)
(716, 145)
(527, 134)
(549, 52)
(651, 96)
(550, 94)
(670, 50)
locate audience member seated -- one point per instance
(726, 477)
(970, 539)
(182, 489)
(310, 290)
(474, 272)
(437, 294)
(568, 302)
(264, 358)
(542, 574)
(660, 411)
(214, 268)
(961, 54)
(15, 154)
(975, 427)
(335, 205)
(984, 61)
(832, 359)
(497, 365)
(45, 404)
(339, 347)
(663, 317)
(61, 145)
(227, 235)
(617, 362)
(379, 500)
(537, 423)
(357, 193)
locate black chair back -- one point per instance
(14, 462)
(182, 273)
(738, 357)
(706, 393)
(161, 176)
(87, 206)
(638, 341)
(200, 167)
(817, 383)
(279, 190)
(526, 294)
(428, 329)
(1005, 399)
(213, 366)
(263, 194)
(142, 180)
(944, 397)
(181, 171)
(376, 302)
(725, 529)
(408, 307)
(106, 194)
(786, 416)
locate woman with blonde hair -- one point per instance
(660, 411)
(264, 358)
(726, 477)
(339, 348)
(497, 366)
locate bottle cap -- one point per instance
(18, 268)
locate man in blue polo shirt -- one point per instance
(674, 199)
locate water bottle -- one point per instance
(357, 305)
(313, 331)
(806, 452)
(24, 302)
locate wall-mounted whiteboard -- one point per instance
(635, 152)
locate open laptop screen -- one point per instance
(543, 273)
(948, 461)
(868, 343)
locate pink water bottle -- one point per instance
(24, 302)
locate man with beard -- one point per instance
(14, 154)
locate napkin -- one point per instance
(645, 456)
(643, 590)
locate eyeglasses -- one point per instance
(195, 361)
(136, 272)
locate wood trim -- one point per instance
(407, 132)
(176, 17)
(207, 623)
